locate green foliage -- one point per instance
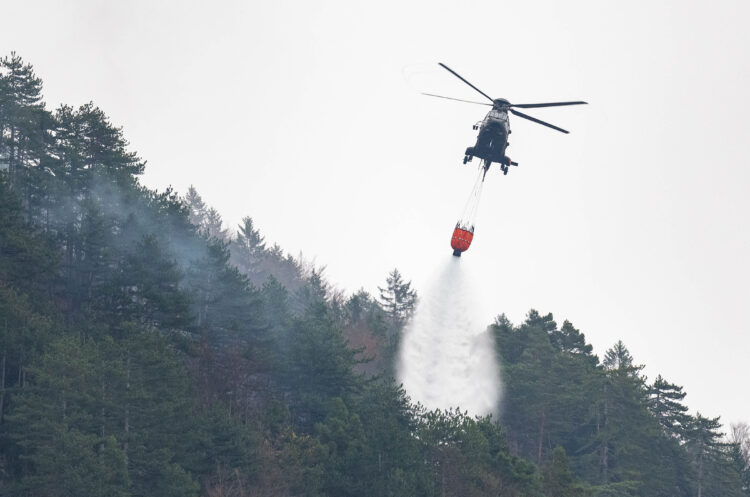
(146, 289)
(550, 390)
(627, 488)
(394, 456)
(717, 464)
(24, 125)
(145, 351)
(558, 479)
(470, 457)
(343, 437)
(621, 436)
(397, 298)
(28, 260)
(60, 442)
(664, 404)
(318, 366)
(248, 250)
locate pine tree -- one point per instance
(618, 357)
(394, 456)
(197, 209)
(276, 305)
(59, 445)
(624, 422)
(147, 290)
(92, 153)
(737, 470)
(248, 249)
(88, 259)
(545, 323)
(22, 116)
(28, 271)
(704, 442)
(213, 225)
(664, 403)
(104, 147)
(153, 417)
(346, 464)
(398, 299)
(319, 365)
(571, 340)
(28, 259)
(314, 291)
(226, 307)
(548, 391)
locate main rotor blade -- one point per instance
(462, 79)
(538, 121)
(457, 99)
(550, 104)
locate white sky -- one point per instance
(298, 114)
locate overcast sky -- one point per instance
(305, 116)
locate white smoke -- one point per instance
(447, 358)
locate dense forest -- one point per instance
(148, 350)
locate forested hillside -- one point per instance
(148, 350)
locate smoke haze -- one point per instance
(447, 358)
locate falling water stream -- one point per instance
(447, 358)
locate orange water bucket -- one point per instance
(461, 240)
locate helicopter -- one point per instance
(494, 129)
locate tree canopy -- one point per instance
(148, 350)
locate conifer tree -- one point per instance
(276, 305)
(393, 455)
(398, 299)
(147, 289)
(248, 249)
(90, 151)
(213, 225)
(545, 323)
(624, 422)
(357, 305)
(197, 209)
(571, 340)
(618, 358)
(346, 464)
(105, 148)
(22, 133)
(55, 427)
(28, 259)
(318, 366)
(704, 441)
(664, 403)
(226, 307)
(314, 291)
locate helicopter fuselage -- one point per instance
(492, 139)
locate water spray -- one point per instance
(447, 359)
